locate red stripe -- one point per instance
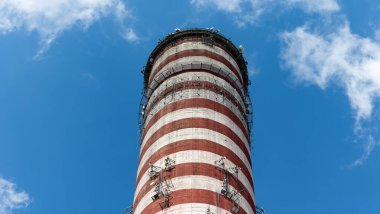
(196, 169)
(195, 52)
(197, 67)
(196, 103)
(191, 39)
(192, 196)
(196, 123)
(194, 85)
(195, 144)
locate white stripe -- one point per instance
(195, 113)
(196, 60)
(194, 156)
(194, 93)
(197, 76)
(194, 133)
(193, 182)
(191, 46)
(192, 208)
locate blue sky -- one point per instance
(70, 87)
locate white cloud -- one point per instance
(224, 5)
(253, 10)
(340, 58)
(244, 11)
(51, 18)
(316, 6)
(248, 11)
(130, 35)
(10, 198)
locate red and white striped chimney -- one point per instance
(195, 144)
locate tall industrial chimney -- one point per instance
(195, 128)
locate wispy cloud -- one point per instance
(11, 198)
(367, 150)
(51, 18)
(339, 58)
(315, 6)
(130, 35)
(121, 12)
(248, 11)
(224, 5)
(88, 76)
